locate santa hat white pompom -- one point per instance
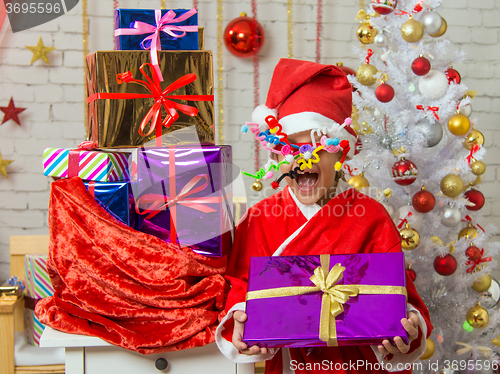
(260, 114)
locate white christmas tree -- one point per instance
(421, 154)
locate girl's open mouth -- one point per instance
(307, 180)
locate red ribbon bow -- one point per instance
(349, 169)
(88, 145)
(162, 99)
(369, 54)
(434, 110)
(477, 262)
(404, 220)
(469, 220)
(470, 158)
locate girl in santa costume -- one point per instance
(316, 213)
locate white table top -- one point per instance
(54, 338)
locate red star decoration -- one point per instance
(11, 112)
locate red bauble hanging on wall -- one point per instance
(244, 37)
(476, 197)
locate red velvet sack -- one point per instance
(126, 287)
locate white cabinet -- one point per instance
(90, 355)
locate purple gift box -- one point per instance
(184, 195)
(294, 321)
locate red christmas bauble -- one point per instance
(423, 201)
(476, 197)
(384, 93)
(473, 253)
(384, 6)
(404, 172)
(358, 146)
(453, 76)
(412, 273)
(421, 66)
(244, 37)
(445, 265)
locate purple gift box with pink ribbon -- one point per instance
(156, 30)
(183, 195)
(325, 300)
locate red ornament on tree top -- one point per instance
(244, 36)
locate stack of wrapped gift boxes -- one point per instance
(145, 92)
(150, 158)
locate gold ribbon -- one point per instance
(438, 242)
(334, 295)
(485, 351)
(496, 341)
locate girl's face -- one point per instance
(316, 184)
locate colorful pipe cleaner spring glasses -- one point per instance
(273, 139)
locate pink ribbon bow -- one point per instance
(163, 24)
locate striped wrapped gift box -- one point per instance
(93, 165)
(38, 286)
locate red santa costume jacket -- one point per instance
(351, 222)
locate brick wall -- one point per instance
(54, 94)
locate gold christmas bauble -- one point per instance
(452, 185)
(478, 167)
(359, 181)
(477, 316)
(468, 232)
(410, 238)
(257, 186)
(482, 284)
(365, 74)
(429, 350)
(475, 137)
(412, 31)
(366, 33)
(442, 30)
(459, 124)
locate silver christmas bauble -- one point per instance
(432, 22)
(432, 131)
(390, 209)
(381, 40)
(450, 217)
(416, 219)
(491, 296)
(466, 110)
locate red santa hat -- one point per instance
(304, 95)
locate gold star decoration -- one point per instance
(40, 52)
(3, 165)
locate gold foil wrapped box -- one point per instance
(115, 120)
